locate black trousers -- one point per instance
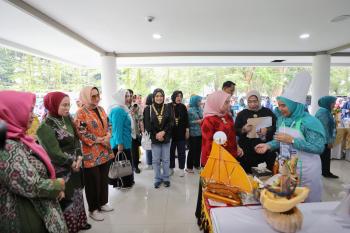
(181, 153)
(126, 181)
(326, 161)
(135, 153)
(199, 201)
(96, 186)
(194, 153)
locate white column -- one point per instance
(108, 79)
(320, 79)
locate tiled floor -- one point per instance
(144, 209)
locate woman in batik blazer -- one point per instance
(92, 127)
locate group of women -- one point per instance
(309, 137)
(41, 184)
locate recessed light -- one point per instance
(304, 36)
(156, 36)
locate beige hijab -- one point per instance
(85, 95)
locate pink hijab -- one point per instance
(15, 109)
(214, 102)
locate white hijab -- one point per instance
(119, 101)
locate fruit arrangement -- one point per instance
(280, 198)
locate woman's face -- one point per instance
(332, 105)
(159, 98)
(63, 109)
(253, 102)
(95, 97)
(31, 118)
(128, 98)
(226, 107)
(283, 108)
(178, 98)
(199, 104)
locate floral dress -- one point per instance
(27, 194)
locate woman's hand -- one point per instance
(283, 137)
(74, 165)
(160, 136)
(99, 140)
(199, 121)
(60, 196)
(262, 132)
(247, 128)
(62, 182)
(240, 151)
(120, 147)
(78, 164)
(262, 148)
(187, 134)
(106, 140)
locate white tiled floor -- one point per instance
(144, 209)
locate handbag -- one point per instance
(120, 167)
(146, 142)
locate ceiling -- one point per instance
(188, 27)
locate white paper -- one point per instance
(258, 123)
(216, 203)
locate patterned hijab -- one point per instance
(52, 102)
(214, 102)
(194, 100)
(15, 110)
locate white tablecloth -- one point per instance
(317, 219)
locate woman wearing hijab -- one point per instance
(120, 120)
(180, 132)
(28, 185)
(254, 110)
(58, 137)
(148, 152)
(158, 119)
(92, 126)
(216, 118)
(300, 133)
(324, 114)
(195, 118)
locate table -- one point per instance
(317, 219)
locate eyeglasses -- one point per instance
(95, 96)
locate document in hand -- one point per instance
(258, 123)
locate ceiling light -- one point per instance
(156, 36)
(340, 18)
(304, 36)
